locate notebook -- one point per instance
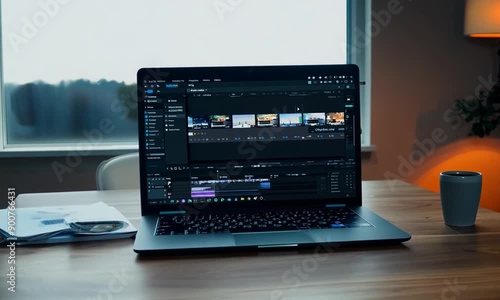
(252, 157)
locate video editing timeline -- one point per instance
(212, 141)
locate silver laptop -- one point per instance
(239, 158)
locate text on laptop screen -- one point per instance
(220, 135)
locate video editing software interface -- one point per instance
(220, 140)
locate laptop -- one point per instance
(257, 157)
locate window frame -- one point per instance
(358, 16)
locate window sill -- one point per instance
(62, 151)
(368, 148)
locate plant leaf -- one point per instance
(477, 129)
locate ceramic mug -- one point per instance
(460, 195)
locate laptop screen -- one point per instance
(258, 135)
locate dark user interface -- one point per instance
(217, 140)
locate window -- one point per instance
(69, 67)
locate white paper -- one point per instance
(35, 223)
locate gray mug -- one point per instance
(460, 195)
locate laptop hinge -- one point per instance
(334, 205)
(176, 212)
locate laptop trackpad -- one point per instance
(272, 238)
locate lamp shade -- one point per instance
(482, 18)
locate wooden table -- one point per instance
(437, 263)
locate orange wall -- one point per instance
(422, 63)
(481, 155)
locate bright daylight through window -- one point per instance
(69, 66)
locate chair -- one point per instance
(119, 172)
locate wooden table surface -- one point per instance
(437, 263)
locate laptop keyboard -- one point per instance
(259, 221)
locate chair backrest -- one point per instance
(118, 173)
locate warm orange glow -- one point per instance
(472, 154)
(482, 18)
(486, 35)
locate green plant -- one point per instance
(127, 94)
(482, 110)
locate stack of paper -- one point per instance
(41, 225)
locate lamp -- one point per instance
(482, 20)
